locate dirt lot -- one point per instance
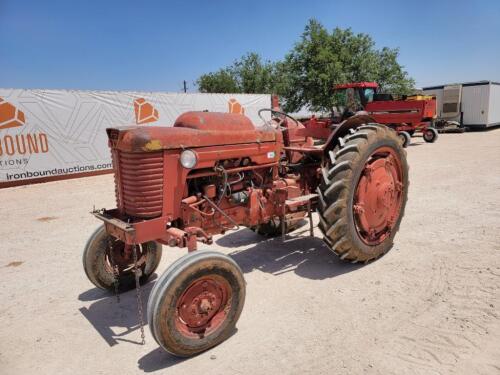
(430, 306)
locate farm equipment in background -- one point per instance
(214, 172)
(446, 126)
(450, 114)
(410, 115)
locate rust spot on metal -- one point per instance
(153, 145)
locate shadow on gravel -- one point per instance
(95, 294)
(158, 359)
(245, 236)
(123, 317)
(116, 321)
(306, 256)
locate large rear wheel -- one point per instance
(363, 193)
(196, 303)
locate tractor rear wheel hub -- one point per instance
(377, 199)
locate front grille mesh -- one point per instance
(139, 182)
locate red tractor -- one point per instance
(407, 116)
(214, 172)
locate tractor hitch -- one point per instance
(150, 230)
(131, 232)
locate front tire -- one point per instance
(97, 261)
(363, 195)
(430, 135)
(196, 303)
(405, 138)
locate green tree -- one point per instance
(322, 59)
(249, 74)
(307, 74)
(221, 81)
(391, 76)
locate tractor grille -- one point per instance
(139, 183)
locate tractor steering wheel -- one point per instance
(279, 121)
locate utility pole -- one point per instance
(185, 87)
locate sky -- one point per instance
(156, 45)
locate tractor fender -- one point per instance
(341, 130)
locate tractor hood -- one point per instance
(190, 130)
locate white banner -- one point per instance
(50, 133)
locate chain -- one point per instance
(137, 272)
(116, 273)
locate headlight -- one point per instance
(188, 159)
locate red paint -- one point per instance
(402, 111)
(215, 121)
(140, 177)
(401, 115)
(201, 309)
(159, 200)
(378, 196)
(193, 129)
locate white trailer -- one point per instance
(472, 104)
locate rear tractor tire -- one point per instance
(363, 193)
(430, 135)
(98, 265)
(196, 303)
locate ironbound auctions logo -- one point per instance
(19, 144)
(235, 107)
(144, 112)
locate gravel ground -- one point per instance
(430, 306)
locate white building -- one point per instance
(473, 104)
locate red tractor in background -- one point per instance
(407, 116)
(214, 172)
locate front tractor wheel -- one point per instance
(363, 193)
(196, 303)
(109, 263)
